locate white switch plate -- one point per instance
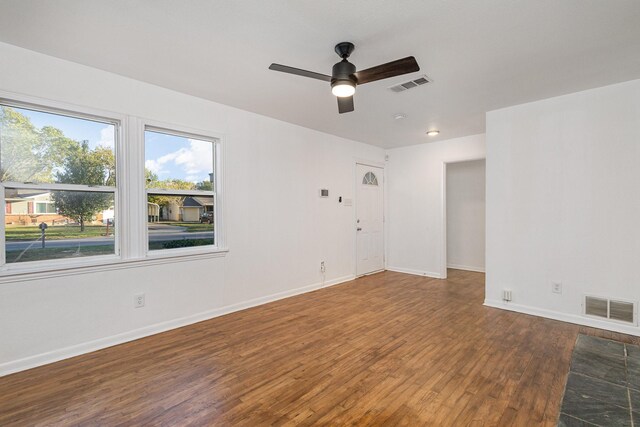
(138, 301)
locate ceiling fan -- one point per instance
(344, 78)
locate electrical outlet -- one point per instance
(322, 267)
(506, 295)
(138, 301)
(556, 287)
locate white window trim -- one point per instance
(60, 108)
(217, 140)
(131, 244)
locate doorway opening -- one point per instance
(464, 216)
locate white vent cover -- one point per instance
(620, 311)
(410, 84)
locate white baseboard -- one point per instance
(87, 347)
(564, 317)
(466, 267)
(415, 272)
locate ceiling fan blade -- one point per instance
(390, 69)
(345, 104)
(299, 72)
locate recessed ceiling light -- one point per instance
(400, 116)
(433, 132)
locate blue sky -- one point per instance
(96, 133)
(168, 156)
(176, 157)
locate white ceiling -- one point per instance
(480, 54)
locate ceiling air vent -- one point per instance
(410, 84)
(620, 311)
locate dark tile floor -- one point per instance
(603, 387)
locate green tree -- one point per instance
(30, 154)
(204, 185)
(106, 158)
(88, 167)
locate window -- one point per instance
(63, 203)
(370, 179)
(181, 189)
(45, 208)
(58, 183)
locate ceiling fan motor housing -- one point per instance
(343, 73)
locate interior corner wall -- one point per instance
(415, 183)
(465, 215)
(278, 229)
(563, 203)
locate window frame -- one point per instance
(77, 112)
(218, 230)
(131, 240)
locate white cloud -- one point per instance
(106, 137)
(153, 166)
(195, 161)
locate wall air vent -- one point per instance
(619, 311)
(410, 84)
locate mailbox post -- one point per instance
(43, 226)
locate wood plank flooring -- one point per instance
(388, 349)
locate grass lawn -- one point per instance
(191, 227)
(38, 254)
(56, 232)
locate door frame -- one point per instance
(443, 219)
(382, 166)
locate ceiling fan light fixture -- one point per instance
(343, 88)
(344, 77)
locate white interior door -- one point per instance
(369, 219)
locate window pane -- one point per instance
(178, 163)
(370, 179)
(180, 221)
(78, 224)
(44, 207)
(43, 148)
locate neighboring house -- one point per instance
(190, 210)
(29, 209)
(171, 212)
(26, 209)
(194, 207)
(106, 215)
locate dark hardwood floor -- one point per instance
(388, 349)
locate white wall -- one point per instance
(415, 183)
(278, 229)
(465, 214)
(563, 202)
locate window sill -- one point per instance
(20, 273)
